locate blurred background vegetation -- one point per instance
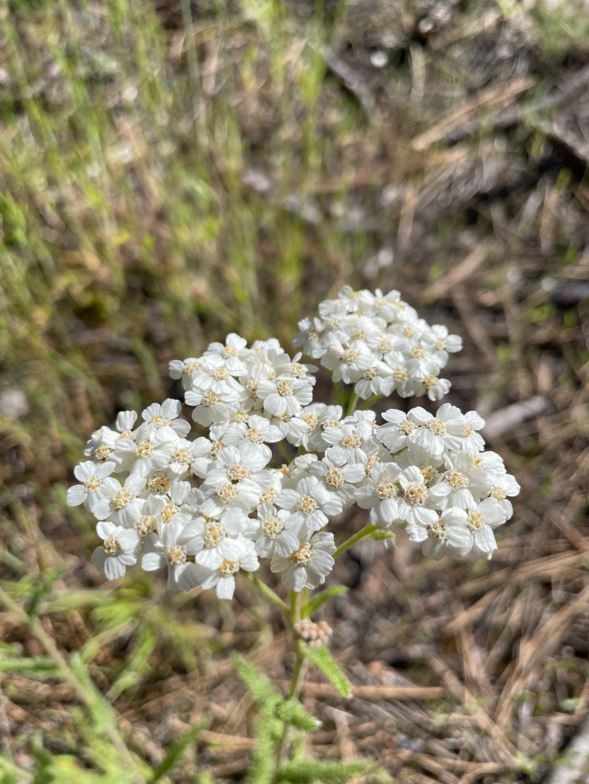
(172, 170)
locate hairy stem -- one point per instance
(361, 534)
(298, 672)
(267, 592)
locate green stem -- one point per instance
(361, 534)
(284, 451)
(298, 672)
(370, 402)
(352, 403)
(267, 592)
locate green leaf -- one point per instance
(260, 686)
(318, 601)
(292, 712)
(177, 751)
(321, 657)
(308, 771)
(261, 769)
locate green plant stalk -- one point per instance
(298, 672)
(62, 666)
(267, 592)
(352, 403)
(368, 530)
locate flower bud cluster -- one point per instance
(210, 506)
(379, 344)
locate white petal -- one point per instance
(114, 569)
(226, 588)
(76, 495)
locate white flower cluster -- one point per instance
(379, 344)
(209, 507)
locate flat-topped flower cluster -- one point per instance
(271, 469)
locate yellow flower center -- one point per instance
(102, 453)
(229, 568)
(121, 499)
(169, 511)
(146, 525)
(415, 494)
(254, 436)
(92, 484)
(144, 449)
(159, 483)
(302, 555)
(307, 505)
(190, 367)
(386, 490)
(407, 427)
(210, 398)
(220, 374)
(237, 473)
(498, 494)
(351, 442)
(175, 554)
(475, 520)
(334, 477)
(159, 421)
(111, 546)
(272, 527)
(213, 534)
(226, 493)
(437, 530)
(181, 456)
(430, 474)
(284, 387)
(458, 480)
(437, 427)
(350, 355)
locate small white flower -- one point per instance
(195, 456)
(241, 555)
(120, 502)
(231, 353)
(348, 361)
(285, 395)
(310, 503)
(352, 441)
(214, 407)
(277, 532)
(448, 534)
(172, 548)
(147, 452)
(184, 369)
(149, 520)
(501, 488)
(213, 536)
(94, 482)
(118, 550)
(309, 564)
(481, 520)
(163, 420)
(342, 480)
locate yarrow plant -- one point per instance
(264, 483)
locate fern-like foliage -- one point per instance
(318, 772)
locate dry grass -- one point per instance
(168, 177)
